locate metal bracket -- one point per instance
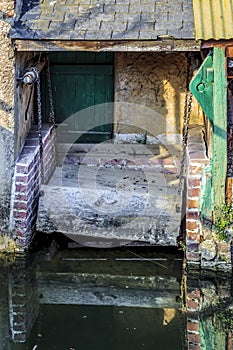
(202, 86)
(30, 77)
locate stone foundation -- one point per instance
(27, 180)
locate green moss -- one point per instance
(223, 221)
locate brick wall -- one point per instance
(207, 297)
(193, 317)
(27, 180)
(23, 301)
(196, 161)
(203, 246)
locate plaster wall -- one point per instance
(6, 111)
(156, 81)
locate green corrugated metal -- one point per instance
(213, 19)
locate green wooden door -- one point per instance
(79, 92)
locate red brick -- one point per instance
(192, 326)
(193, 192)
(192, 236)
(192, 203)
(192, 183)
(190, 215)
(195, 170)
(192, 304)
(21, 178)
(196, 293)
(191, 225)
(20, 214)
(20, 205)
(19, 196)
(193, 338)
(23, 169)
(21, 187)
(21, 232)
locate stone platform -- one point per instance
(113, 194)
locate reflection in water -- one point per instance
(209, 311)
(93, 299)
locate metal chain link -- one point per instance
(187, 114)
(39, 113)
(51, 114)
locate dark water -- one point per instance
(105, 327)
(112, 299)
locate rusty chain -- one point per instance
(187, 114)
(39, 114)
(51, 114)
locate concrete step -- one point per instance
(111, 205)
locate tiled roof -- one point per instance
(103, 19)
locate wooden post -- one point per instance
(219, 155)
(229, 341)
(229, 183)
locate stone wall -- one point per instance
(156, 81)
(26, 186)
(6, 112)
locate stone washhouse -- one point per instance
(98, 125)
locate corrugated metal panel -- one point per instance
(213, 19)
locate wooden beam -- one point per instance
(219, 156)
(216, 43)
(98, 46)
(100, 289)
(229, 182)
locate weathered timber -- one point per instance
(100, 289)
(229, 51)
(113, 198)
(98, 46)
(229, 182)
(202, 86)
(98, 277)
(219, 160)
(216, 43)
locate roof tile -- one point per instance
(104, 19)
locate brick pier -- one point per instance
(27, 181)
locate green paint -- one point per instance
(219, 142)
(209, 88)
(206, 195)
(202, 86)
(77, 87)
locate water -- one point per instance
(112, 299)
